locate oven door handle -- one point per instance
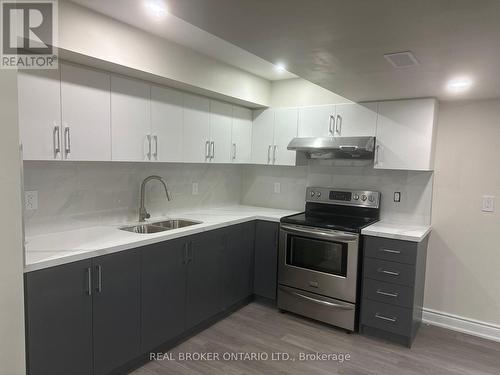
(318, 301)
(318, 233)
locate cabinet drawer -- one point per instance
(387, 317)
(391, 272)
(389, 249)
(393, 294)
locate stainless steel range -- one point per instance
(319, 254)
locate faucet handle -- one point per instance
(147, 215)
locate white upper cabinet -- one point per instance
(241, 135)
(166, 124)
(221, 117)
(316, 121)
(356, 120)
(130, 120)
(406, 134)
(86, 126)
(262, 136)
(40, 114)
(196, 134)
(285, 129)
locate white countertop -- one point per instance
(413, 233)
(48, 250)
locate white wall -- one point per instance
(463, 261)
(93, 35)
(12, 360)
(297, 92)
(79, 194)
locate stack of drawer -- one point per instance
(393, 288)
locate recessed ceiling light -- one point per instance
(459, 84)
(156, 8)
(280, 67)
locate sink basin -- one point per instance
(160, 226)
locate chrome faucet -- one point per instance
(143, 214)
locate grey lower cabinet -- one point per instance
(266, 259)
(393, 288)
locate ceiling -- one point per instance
(133, 12)
(340, 44)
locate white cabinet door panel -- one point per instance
(166, 124)
(220, 131)
(86, 113)
(356, 120)
(39, 94)
(262, 136)
(285, 129)
(130, 119)
(316, 121)
(241, 135)
(196, 128)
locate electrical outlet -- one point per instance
(31, 200)
(195, 188)
(397, 196)
(277, 188)
(488, 203)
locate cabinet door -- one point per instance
(285, 129)
(39, 94)
(130, 119)
(220, 131)
(316, 121)
(163, 292)
(266, 259)
(204, 280)
(86, 113)
(405, 134)
(196, 134)
(166, 124)
(356, 120)
(238, 263)
(241, 135)
(262, 136)
(116, 310)
(59, 320)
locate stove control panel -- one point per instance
(362, 198)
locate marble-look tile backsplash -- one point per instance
(78, 194)
(415, 187)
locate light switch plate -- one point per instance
(277, 188)
(488, 203)
(31, 200)
(195, 188)
(397, 196)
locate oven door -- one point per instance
(321, 261)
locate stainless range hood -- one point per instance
(334, 147)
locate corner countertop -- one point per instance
(413, 233)
(48, 250)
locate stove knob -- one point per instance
(356, 197)
(363, 197)
(312, 194)
(318, 194)
(371, 198)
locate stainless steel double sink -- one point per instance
(161, 226)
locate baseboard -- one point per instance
(460, 324)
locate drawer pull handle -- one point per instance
(390, 251)
(391, 273)
(318, 301)
(386, 318)
(394, 295)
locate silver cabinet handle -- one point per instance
(377, 154)
(391, 273)
(338, 126)
(155, 154)
(212, 144)
(234, 151)
(274, 153)
(149, 146)
(318, 301)
(89, 281)
(387, 294)
(269, 154)
(390, 251)
(386, 318)
(207, 150)
(67, 140)
(56, 138)
(99, 279)
(331, 124)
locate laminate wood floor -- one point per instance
(258, 328)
